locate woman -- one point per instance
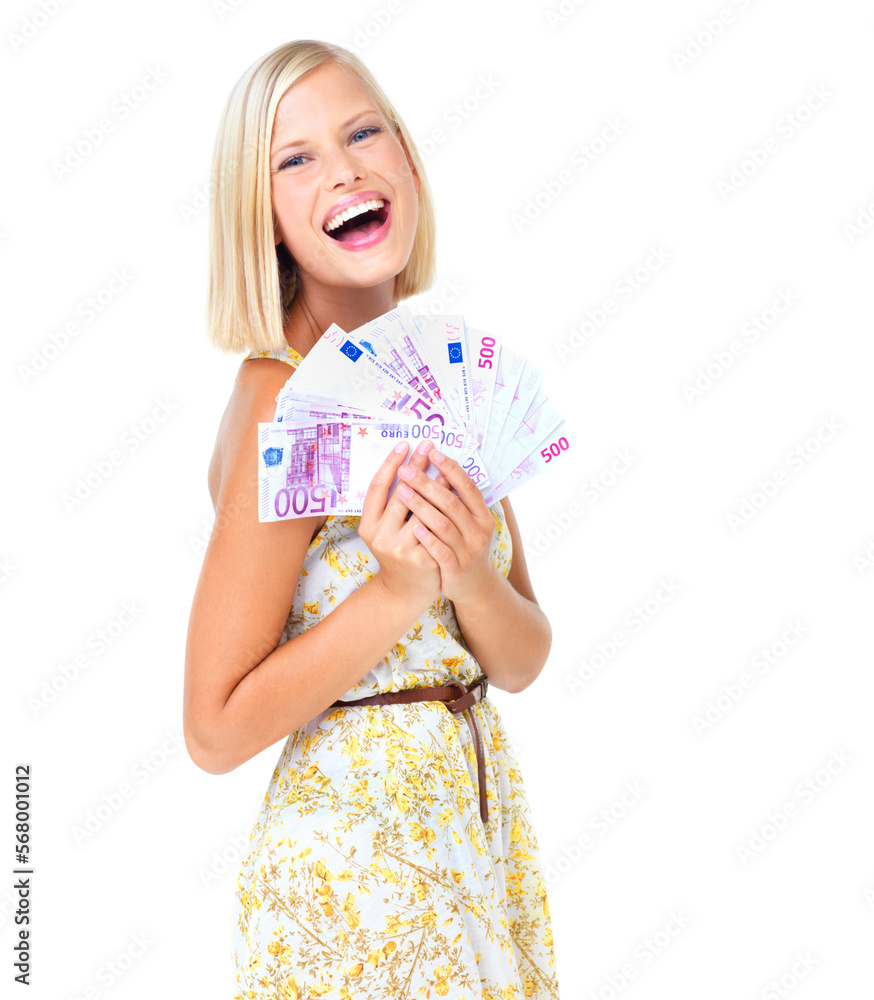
(393, 853)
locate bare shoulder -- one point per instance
(233, 475)
(252, 401)
(233, 478)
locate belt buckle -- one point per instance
(466, 689)
(461, 693)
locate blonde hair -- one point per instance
(252, 280)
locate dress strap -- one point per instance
(287, 354)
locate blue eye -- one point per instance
(298, 158)
(370, 130)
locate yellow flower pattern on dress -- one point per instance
(370, 874)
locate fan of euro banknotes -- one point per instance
(411, 378)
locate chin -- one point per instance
(367, 274)
(364, 281)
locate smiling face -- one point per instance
(331, 152)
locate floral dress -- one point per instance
(370, 873)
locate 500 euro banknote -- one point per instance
(307, 467)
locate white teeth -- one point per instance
(359, 209)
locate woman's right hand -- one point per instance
(406, 569)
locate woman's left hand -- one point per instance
(453, 523)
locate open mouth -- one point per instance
(361, 221)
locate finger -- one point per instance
(413, 522)
(418, 460)
(420, 455)
(410, 530)
(439, 551)
(440, 494)
(375, 499)
(440, 511)
(467, 490)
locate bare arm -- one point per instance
(242, 693)
(504, 626)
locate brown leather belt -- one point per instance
(457, 697)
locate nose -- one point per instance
(343, 168)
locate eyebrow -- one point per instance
(303, 142)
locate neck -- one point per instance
(312, 312)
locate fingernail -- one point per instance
(405, 471)
(401, 447)
(405, 491)
(423, 447)
(437, 456)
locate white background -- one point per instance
(751, 498)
